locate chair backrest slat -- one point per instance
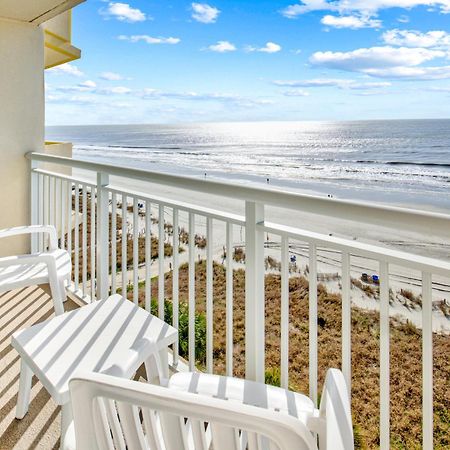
(198, 431)
(152, 429)
(173, 431)
(114, 424)
(102, 424)
(131, 425)
(224, 437)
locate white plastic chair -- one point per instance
(51, 267)
(113, 413)
(332, 421)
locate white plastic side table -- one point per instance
(112, 336)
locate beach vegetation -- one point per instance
(405, 341)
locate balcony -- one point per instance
(253, 295)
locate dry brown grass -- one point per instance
(370, 290)
(405, 353)
(239, 254)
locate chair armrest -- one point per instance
(49, 229)
(46, 258)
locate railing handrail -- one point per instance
(361, 249)
(380, 215)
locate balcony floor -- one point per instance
(40, 428)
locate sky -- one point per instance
(173, 61)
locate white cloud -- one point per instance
(315, 82)
(367, 7)
(88, 84)
(353, 22)
(151, 93)
(412, 38)
(369, 60)
(445, 89)
(368, 85)
(386, 62)
(123, 12)
(306, 6)
(412, 73)
(150, 39)
(296, 93)
(118, 90)
(222, 47)
(270, 47)
(91, 87)
(82, 99)
(111, 76)
(341, 83)
(204, 13)
(66, 69)
(403, 19)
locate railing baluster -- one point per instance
(313, 334)
(124, 245)
(77, 237)
(102, 235)
(284, 312)
(41, 210)
(346, 322)
(384, 357)
(161, 239)
(209, 295)
(114, 243)
(84, 241)
(52, 183)
(254, 292)
(427, 361)
(175, 281)
(34, 205)
(191, 291)
(148, 255)
(63, 213)
(135, 251)
(46, 205)
(58, 183)
(69, 217)
(93, 245)
(229, 300)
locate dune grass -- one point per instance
(405, 352)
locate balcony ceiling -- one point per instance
(35, 11)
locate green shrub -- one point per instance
(272, 376)
(183, 329)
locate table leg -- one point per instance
(164, 359)
(66, 420)
(23, 399)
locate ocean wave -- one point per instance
(406, 163)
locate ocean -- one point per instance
(404, 162)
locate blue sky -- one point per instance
(174, 61)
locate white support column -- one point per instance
(102, 236)
(254, 292)
(21, 121)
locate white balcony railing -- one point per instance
(87, 210)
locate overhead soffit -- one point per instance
(35, 11)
